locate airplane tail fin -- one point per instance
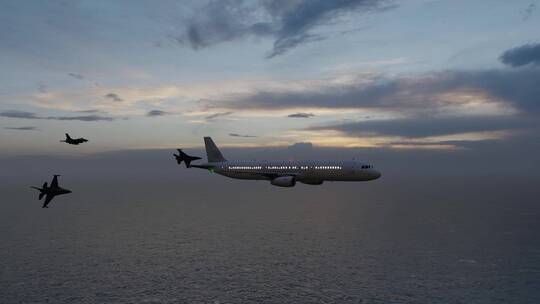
(183, 157)
(67, 136)
(212, 152)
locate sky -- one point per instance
(442, 97)
(379, 74)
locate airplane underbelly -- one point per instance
(243, 175)
(331, 175)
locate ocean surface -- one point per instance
(151, 237)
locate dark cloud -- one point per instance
(76, 76)
(297, 21)
(113, 97)
(289, 22)
(30, 115)
(154, 113)
(522, 55)
(217, 115)
(241, 135)
(517, 87)
(92, 111)
(227, 20)
(301, 115)
(22, 128)
(418, 127)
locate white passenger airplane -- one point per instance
(281, 173)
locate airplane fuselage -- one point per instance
(76, 141)
(56, 191)
(309, 172)
(281, 173)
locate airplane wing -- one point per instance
(48, 199)
(54, 182)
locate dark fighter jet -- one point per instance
(73, 141)
(50, 191)
(185, 158)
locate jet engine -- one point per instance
(284, 181)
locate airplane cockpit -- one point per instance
(366, 167)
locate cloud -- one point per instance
(18, 114)
(22, 128)
(301, 115)
(522, 55)
(428, 92)
(289, 23)
(420, 127)
(240, 135)
(30, 115)
(154, 113)
(113, 97)
(76, 76)
(217, 115)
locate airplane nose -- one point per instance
(376, 174)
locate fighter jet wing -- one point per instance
(48, 199)
(54, 183)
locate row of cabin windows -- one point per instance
(244, 167)
(284, 167)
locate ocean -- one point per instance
(167, 235)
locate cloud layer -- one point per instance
(420, 127)
(431, 91)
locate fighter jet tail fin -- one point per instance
(212, 152)
(67, 137)
(183, 157)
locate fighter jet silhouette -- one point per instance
(73, 141)
(185, 158)
(51, 191)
